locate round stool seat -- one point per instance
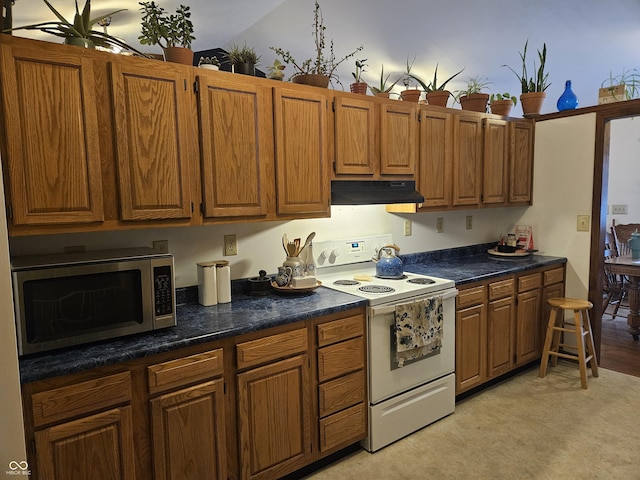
(570, 303)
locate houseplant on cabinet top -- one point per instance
(243, 59)
(383, 88)
(321, 70)
(174, 33)
(472, 98)
(533, 88)
(501, 103)
(436, 94)
(80, 32)
(359, 86)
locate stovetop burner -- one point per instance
(346, 282)
(421, 280)
(376, 289)
(402, 277)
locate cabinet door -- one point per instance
(52, 155)
(97, 446)
(236, 137)
(467, 160)
(302, 170)
(528, 326)
(398, 139)
(495, 161)
(500, 333)
(471, 347)
(189, 433)
(152, 116)
(274, 418)
(354, 135)
(521, 162)
(434, 165)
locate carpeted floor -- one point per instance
(523, 428)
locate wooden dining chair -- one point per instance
(614, 288)
(621, 235)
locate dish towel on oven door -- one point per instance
(418, 328)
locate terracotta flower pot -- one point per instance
(312, 79)
(359, 87)
(532, 103)
(410, 95)
(439, 98)
(180, 55)
(501, 107)
(382, 94)
(476, 102)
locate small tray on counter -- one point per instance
(295, 290)
(517, 253)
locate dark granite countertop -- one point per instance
(197, 324)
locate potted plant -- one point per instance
(321, 70)
(533, 88)
(359, 86)
(80, 32)
(620, 87)
(383, 88)
(276, 71)
(174, 33)
(243, 59)
(410, 93)
(212, 63)
(501, 103)
(472, 98)
(436, 94)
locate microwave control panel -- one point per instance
(163, 290)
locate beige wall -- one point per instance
(12, 446)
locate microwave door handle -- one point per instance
(385, 309)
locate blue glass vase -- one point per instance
(568, 99)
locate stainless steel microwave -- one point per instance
(69, 299)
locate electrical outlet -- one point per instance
(469, 222)
(230, 245)
(618, 209)
(583, 223)
(161, 246)
(439, 225)
(407, 228)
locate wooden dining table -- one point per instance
(626, 266)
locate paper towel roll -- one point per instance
(207, 284)
(223, 282)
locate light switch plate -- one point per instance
(583, 223)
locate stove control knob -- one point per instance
(335, 253)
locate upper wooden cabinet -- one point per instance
(521, 161)
(467, 159)
(152, 115)
(236, 138)
(495, 162)
(50, 147)
(301, 139)
(374, 139)
(435, 160)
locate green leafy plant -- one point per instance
(433, 85)
(540, 81)
(503, 96)
(383, 86)
(243, 54)
(474, 85)
(158, 28)
(357, 75)
(323, 63)
(629, 78)
(81, 27)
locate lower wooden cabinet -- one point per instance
(500, 324)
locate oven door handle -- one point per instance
(384, 309)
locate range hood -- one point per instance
(353, 192)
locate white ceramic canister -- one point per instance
(207, 284)
(223, 281)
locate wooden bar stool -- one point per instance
(581, 327)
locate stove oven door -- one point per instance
(386, 379)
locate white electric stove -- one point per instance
(401, 399)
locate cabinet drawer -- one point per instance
(529, 282)
(341, 393)
(553, 276)
(82, 398)
(341, 358)
(470, 296)
(504, 288)
(271, 348)
(343, 428)
(183, 371)
(338, 330)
